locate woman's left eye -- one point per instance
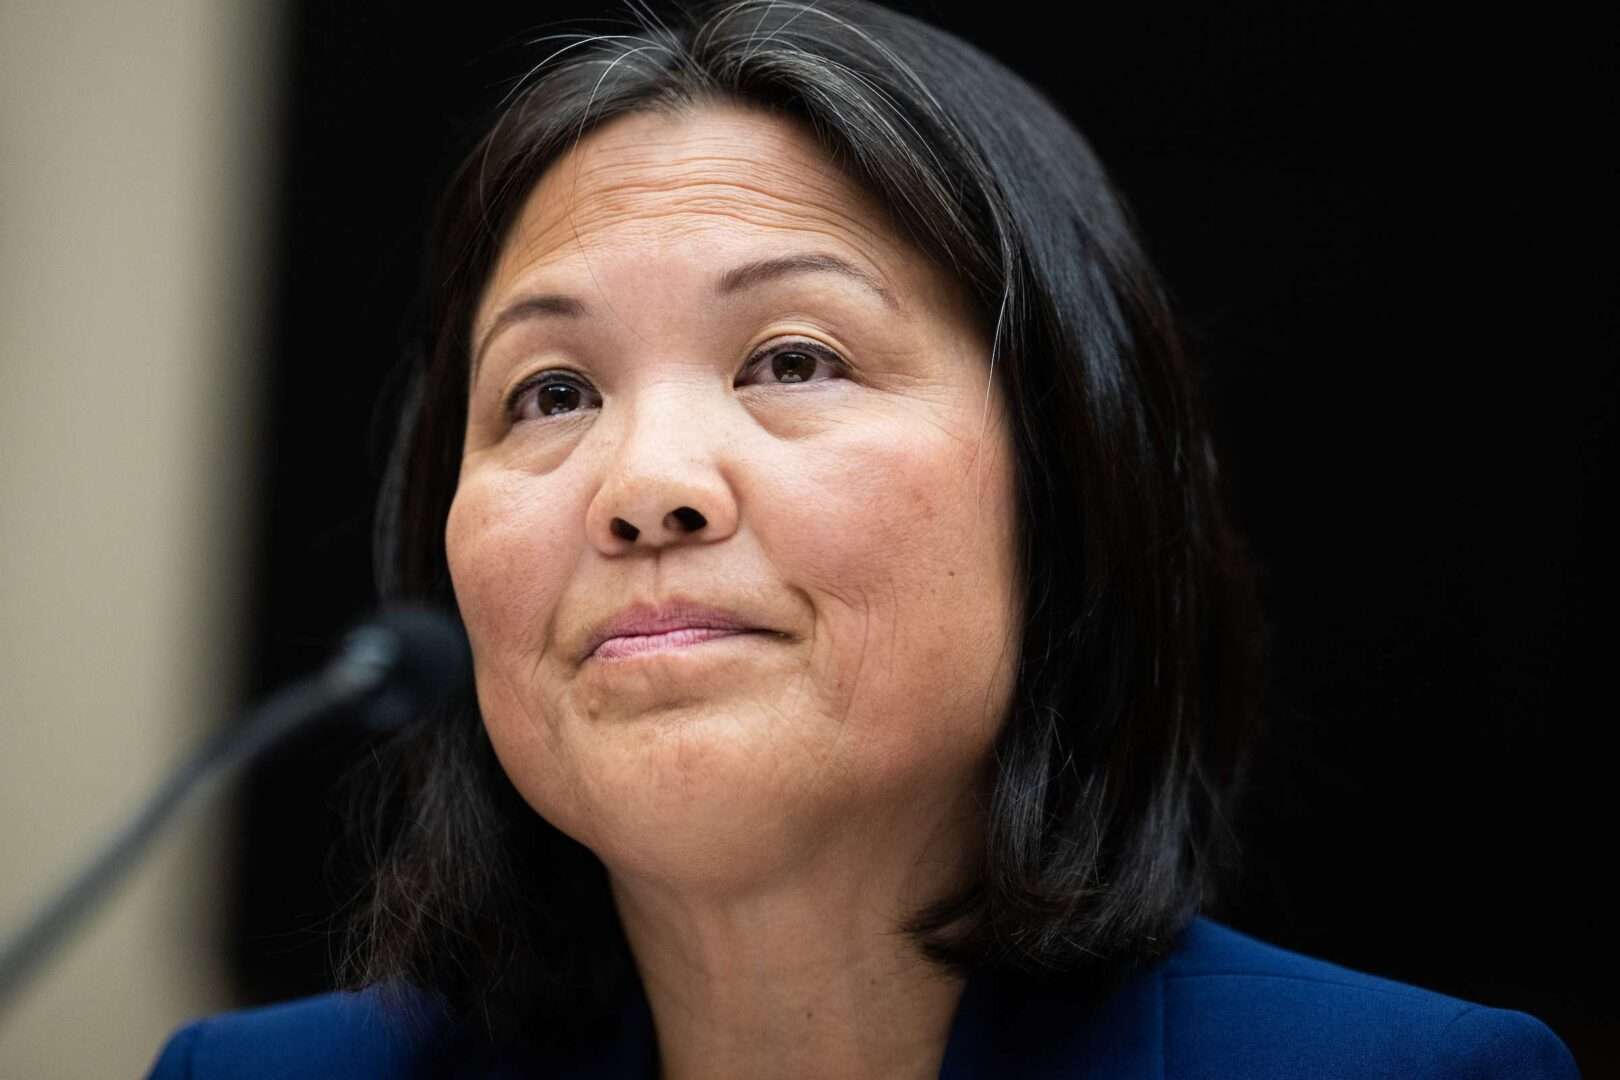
(795, 362)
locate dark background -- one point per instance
(1383, 236)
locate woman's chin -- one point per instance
(716, 847)
(706, 799)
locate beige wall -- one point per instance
(134, 143)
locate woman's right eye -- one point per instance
(549, 394)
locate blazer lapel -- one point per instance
(1016, 1026)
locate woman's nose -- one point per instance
(663, 482)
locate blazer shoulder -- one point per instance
(1234, 1005)
(379, 1032)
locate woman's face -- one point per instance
(698, 312)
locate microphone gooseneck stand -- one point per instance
(414, 657)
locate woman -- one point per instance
(864, 661)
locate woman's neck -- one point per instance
(786, 986)
(804, 977)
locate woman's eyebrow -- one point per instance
(748, 275)
(737, 279)
(524, 308)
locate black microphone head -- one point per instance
(413, 658)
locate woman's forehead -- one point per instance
(718, 177)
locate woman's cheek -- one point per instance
(857, 526)
(871, 508)
(504, 541)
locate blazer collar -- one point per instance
(1009, 1025)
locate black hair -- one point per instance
(1137, 689)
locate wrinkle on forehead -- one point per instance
(655, 177)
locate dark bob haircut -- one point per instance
(1136, 694)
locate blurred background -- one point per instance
(1388, 234)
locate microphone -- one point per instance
(390, 668)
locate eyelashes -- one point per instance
(546, 394)
(562, 393)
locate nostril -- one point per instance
(689, 518)
(624, 530)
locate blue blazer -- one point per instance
(1220, 1006)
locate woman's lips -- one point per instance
(656, 621)
(617, 648)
